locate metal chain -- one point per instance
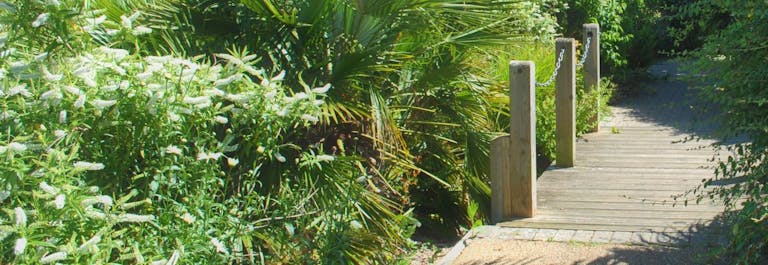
(585, 52)
(554, 74)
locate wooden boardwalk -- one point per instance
(628, 177)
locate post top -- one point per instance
(514, 63)
(564, 40)
(592, 26)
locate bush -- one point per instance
(734, 62)
(109, 155)
(314, 139)
(633, 31)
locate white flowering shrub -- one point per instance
(111, 156)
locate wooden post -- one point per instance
(501, 195)
(565, 103)
(513, 157)
(592, 68)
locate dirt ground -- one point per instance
(495, 251)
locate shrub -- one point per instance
(734, 62)
(109, 155)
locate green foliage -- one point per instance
(543, 55)
(140, 131)
(609, 14)
(632, 31)
(690, 23)
(112, 156)
(734, 62)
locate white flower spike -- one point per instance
(63, 116)
(19, 246)
(82, 165)
(41, 20)
(88, 244)
(188, 218)
(172, 149)
(20, 216)
(325, 158)
(59, 201)
(53, 257)
(48, 188)
(103, 104)
(322, 90)
(135, 218)
(309, 118)
(219, 246)
(90, 201)
(17, 147)
(80, 102)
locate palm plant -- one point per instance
(404, 93)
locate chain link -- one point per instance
(554, 74)
(585, 52)
(583, 58)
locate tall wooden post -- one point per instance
(513, 157)
(565, 103)
(592, 68)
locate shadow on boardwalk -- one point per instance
(669, 101)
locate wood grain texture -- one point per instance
(592, 67)
(565, 103)
(515, 196)
(501, 193)
(522, 137)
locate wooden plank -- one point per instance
(620, 161)
(645, 134)
(585, 169)
(643, 165)
(637, 141)
(656, 221)
(607, 174)
(592, 67)
(647, 127)
(606, 147)
(667, 216)
(615, 173)
(595, 227)
(554, 196)
(626, 187)
(618, 194)
(565, 103)
(623, 150)
(619, 183)
(564, 179)
(616, 199)
(629, 206)
(641, 155)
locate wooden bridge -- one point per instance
(625, 177)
